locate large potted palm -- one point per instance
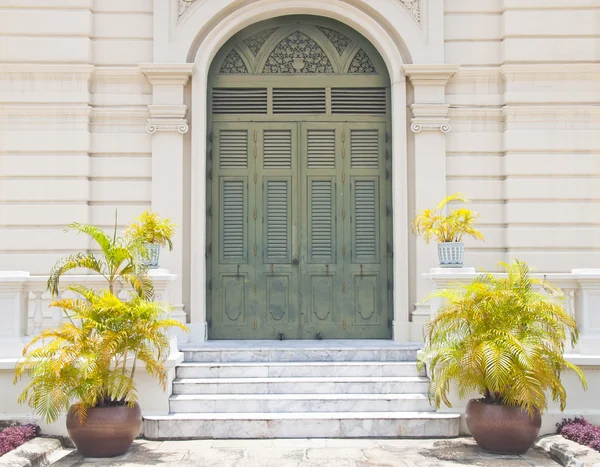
(503, 338)
(87, 366)
(448, 230)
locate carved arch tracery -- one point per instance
(297, 49)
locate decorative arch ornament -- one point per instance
(298, 53)
(233, 64)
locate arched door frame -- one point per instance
(213, 38)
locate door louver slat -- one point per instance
(234, 225)
(277, 149)
(364, 149)
(299, 101)
(321, 149)
(321, 213)
(233, 149)
(278, 220)
(365, 219)
(239, 101)
(363, 101)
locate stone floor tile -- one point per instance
(347, 453)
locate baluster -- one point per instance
(38, 315)
(569, 300)
(57, 313)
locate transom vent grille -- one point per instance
(371, 101)
(299, 101)
(239, 101)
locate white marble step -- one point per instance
(302, 425)
(282, 403)
(296, 369)
(301, 351)
(331, 385)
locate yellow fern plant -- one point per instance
(91, 359)
(152, 229)
(432, 224)
(502, 337)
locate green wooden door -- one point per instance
(300, 238)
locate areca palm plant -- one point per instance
(91, 359)
(120, 261)
(504, 338)
(432, 224)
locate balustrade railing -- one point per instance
(582, 298)
(25, 300)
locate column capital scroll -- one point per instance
(167, 118)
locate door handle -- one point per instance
(295, 262)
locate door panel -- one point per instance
(276, 217)
(300, 236)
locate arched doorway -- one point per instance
(299, 214)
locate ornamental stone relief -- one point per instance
(298, 53)
(183, 5)
(233, 64)
(256, 41)
(361, 64)
(414, 6)
(339, 41)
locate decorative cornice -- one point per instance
(168, 74)
(430, 75)
(167, 118)
(430, 117)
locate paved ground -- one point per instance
(311, 453)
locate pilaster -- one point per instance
(168, 124)
(430, 124)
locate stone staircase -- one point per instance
(300, 389)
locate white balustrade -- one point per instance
(582, 298)
(25, 310)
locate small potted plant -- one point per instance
(504, 338)
(154, 232)
(87, 367)
(448, 230)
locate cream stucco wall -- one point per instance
(518, 82)
(524, 142)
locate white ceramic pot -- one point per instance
(153, 256)
(451, 254)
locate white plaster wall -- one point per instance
(73, 145)
(525, 144)
(524, 112)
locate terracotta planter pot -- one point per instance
(107, 432)
(501, 429)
